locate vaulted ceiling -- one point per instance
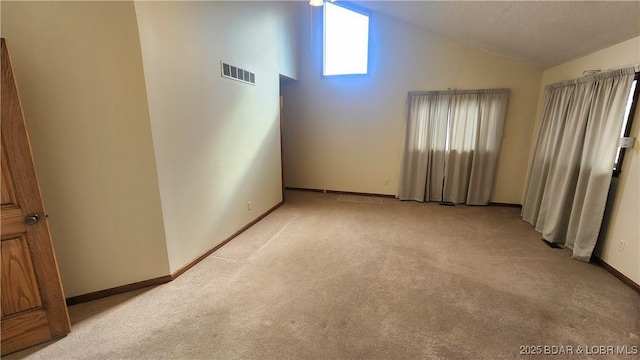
(538, 33)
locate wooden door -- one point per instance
(33, 305)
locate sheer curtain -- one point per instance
(424, 147)
(451, 145)
(571, 171)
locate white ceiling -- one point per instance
(538, 33)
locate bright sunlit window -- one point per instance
(346, 41)
(629, 112)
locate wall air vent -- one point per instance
(236, 73)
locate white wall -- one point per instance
(79, 72)
(625, 215)
(146, 156)
(347, 134)
(216, 140)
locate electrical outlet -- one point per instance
(386, 182)
(621, 245)
(249, 205)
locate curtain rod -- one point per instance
(455, 91)
(627, 70)
(636, 68)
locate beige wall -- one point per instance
(347, 134)
(79, 71)
(116, 217)
(217, 141)
(624, 222)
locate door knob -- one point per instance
(31, 219)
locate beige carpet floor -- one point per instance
(326, 279)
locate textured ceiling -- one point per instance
(538, 33)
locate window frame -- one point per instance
(356, 9)
(617, 167)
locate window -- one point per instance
(626, 125)
(346, 41)
(451, 145)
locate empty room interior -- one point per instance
(329, 180)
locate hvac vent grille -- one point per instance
(236, 73)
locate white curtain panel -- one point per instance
(556, 102)
(451, 145)
(464, 117)
(424, 147)
(571, 171)
(476, 125)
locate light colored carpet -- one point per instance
(360, 199)
(326, 279)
